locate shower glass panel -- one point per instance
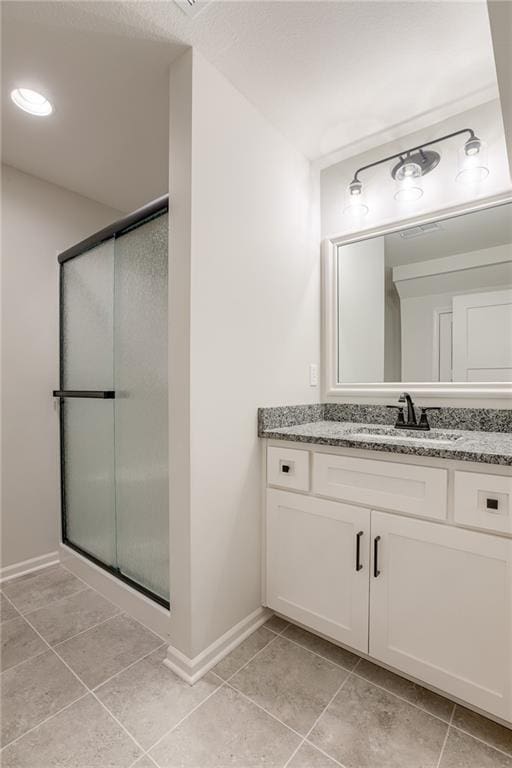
(140, 377)
(87, 313)
(113, 400)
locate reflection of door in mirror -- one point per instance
(428, 303)
(482, 336)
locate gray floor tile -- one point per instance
(309, 757)
(74, 614)
(276, 624)
(33, 691)
(103, 651)
(243, 653)
(82, 736)
(227, 730)
(416, 694)
(323, 647)
(7, 611)
(366, 727)
(290, 682)
(463, 751)
(19, 643)
(494, 734)
(40, 589)
(149, 699)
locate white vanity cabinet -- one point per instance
(318, 559)
(440, 608)
(408, 585)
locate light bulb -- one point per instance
(408, 171)
(32, 102)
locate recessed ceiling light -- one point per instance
(32, 102)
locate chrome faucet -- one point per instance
(411, 423)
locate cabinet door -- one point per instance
(441, 608)
(314, 574)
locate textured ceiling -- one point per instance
(326, 74)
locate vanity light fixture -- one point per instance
(32, 102)
(415, 163)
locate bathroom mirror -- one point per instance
(430, 302)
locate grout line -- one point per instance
(330, 661)
(104, 682)
(45, 605)
(270, 714)
(445, 738)
(60, 600)
(83, 631)
(176, 725)
(50, 717)
(401, 698)
(324, 710)
(19, 663)
(226, 680)
(477, 738)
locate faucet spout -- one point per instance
(411, 413)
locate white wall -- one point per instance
(38, 221)
(254, 328)
(440, 188)
(500, 18)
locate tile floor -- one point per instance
(83, 686)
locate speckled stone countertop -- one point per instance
(462, 445)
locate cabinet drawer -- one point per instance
(288, 468)
(483, 501)
(382, 484)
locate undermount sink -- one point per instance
(431, 437)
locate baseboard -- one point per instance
(192, 670)
(148, 612)
(28, 566)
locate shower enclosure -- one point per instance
(113, 399)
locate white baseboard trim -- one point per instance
(192, 670)
(28, 566)
(155, 617)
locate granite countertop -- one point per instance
(462, 445)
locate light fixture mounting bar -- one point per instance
(405, 152)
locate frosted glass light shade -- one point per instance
(474, 167)
(408, 191)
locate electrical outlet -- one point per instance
(313, 375)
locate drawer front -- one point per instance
(483, 501)
(382, 484)
(288, 468)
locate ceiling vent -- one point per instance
(423, 229)
(192, 7)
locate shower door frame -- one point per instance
(150, 211)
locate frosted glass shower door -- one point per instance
(87, 423)
(141, 426)
(113, 399)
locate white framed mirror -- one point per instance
(424, 305)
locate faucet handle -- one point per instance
(400, 421)
(423, 416)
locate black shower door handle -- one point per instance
(102, 394)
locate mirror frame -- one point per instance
(377, 391)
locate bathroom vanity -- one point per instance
(397, 546)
